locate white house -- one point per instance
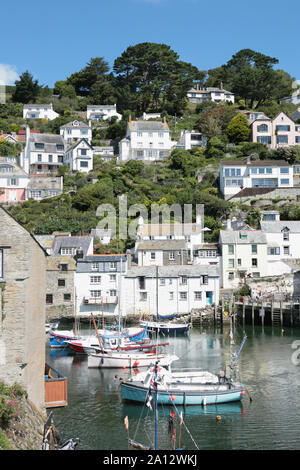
(79, 157)
(103, 235)
(39, 111)
(147, 116)
(105, 152)
(40, 187)
(244, 254)
(294, 98)
(99, 284)
(283, 243)
(43, 153)
(76, 130)
(217, 95)
(102, 112)
(236, 175)
(170, 290)
(146, 141)
(191, 139)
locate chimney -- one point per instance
(129, 259)
(228, 224)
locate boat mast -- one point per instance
(156, 399)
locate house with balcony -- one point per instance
(191, 139)
(237, 175)
(244, 254)
(99, 284)
(169, 290)
(39, 111)
(43, 153)
(43, 186)
(79, 156)
(217, 95)
(146, 141)
(282, 131)
(102, 112)
(75, 131)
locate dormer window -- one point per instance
(286, 234)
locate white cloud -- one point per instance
(8, 74)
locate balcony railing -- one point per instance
(108, 299)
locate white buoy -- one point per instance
(204, 401)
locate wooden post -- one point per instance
(272, 312)
(244, 311)
(263, 314)
(291, 314)
(281, 317)
(253, 312)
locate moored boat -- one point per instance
(182, 387)
(167, 328)
(127, 360)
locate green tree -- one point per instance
(152, 77)
(26, 89)
(91, 78)
(238, 129)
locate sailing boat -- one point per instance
(166, 328)
(185, 387)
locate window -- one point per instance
(84, 164)
(39, 145)
(282, 139)
(143, 296)
(59, 147)
(50, 158)
(61, 282)
(12, 182)
(231, 263)
(95, 266)
(254, 249)
(283, 128)
(285, 181)
(286, 250)
(284, 170)
(230, 276)
(160, 135)
(264, 139)
(254, 262)
(113, 265)
(182, 295)
(142, 282)
(273, 251)
(171, 297)
(49, 298)
(286, 235)
(113, 293)
(152, 256)
(172, 255)
(239, 262)
(140, 153)
(67, 251)
(297, 140)
(83, 151)
(204, 279)
(112, 277)
(39, 157)
(95, 279)
(63, 267)
(95, 294)
(162, 282)
(150, 134)
(183, 280)
(139, 134)
(256, 274)
(67, 297)
(230, 249)
(198, 295)
(262, 128)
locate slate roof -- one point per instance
(255, 163)
(278, 225)
(50, 142)
(148, 126)
(166, 245)
(71, 125)
(233, 236)
(173, 271)
(71, 242)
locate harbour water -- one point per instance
(268, 368)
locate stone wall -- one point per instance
(22, 335)
(277, 286)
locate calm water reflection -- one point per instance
(96, 412)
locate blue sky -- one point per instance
(54, 39)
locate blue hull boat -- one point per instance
(182, 388)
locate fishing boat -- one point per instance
(127, 359)
(167, 328)
(58, 338)
(185, 387)
(110, 343)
